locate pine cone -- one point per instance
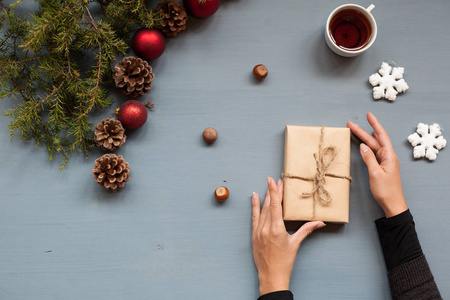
(174, 17)
(111, 171)
(109, 134)
(133, 76)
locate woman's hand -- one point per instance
(383, 166)
(274, 249)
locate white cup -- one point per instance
(366, 12)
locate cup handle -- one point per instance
(369, 9)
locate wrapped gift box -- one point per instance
(316, 174)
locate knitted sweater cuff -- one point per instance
(411, 279)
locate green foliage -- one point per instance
(40, 67)
(125, 15)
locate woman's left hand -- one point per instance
(274, 249)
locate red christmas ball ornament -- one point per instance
(148, 44)
(132, 114)
(202, 8)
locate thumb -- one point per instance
(306, 230)
(369, 157)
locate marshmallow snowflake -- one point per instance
(388, 85)
(427, 141)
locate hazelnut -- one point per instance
(221, 194)
(260, 71)
(210, 135)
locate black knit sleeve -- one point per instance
(280, 295)
(398, 239)
(409, 274)
(413, 280)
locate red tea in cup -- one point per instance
(350, 29)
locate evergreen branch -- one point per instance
(96, 88)
(27, 60)
(18, 90)
(39, 32)
(91, 19)
(6, 38)
(69, 66)
(8, 94)
(38, 104)
(55, 96)
(133, 6)
(51, 94)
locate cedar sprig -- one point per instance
(43, 65)
(125, 15)
(40, 66)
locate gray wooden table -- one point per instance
(164, 236)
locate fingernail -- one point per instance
(279, 182)
(269, 180)
(321, 225)
(364, 148)
(253, 195)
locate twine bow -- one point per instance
(324, 158)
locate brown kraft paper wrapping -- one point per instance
(301, 143)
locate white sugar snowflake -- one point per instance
(388, 85)
(427, 141)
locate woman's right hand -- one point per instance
(383, 166)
